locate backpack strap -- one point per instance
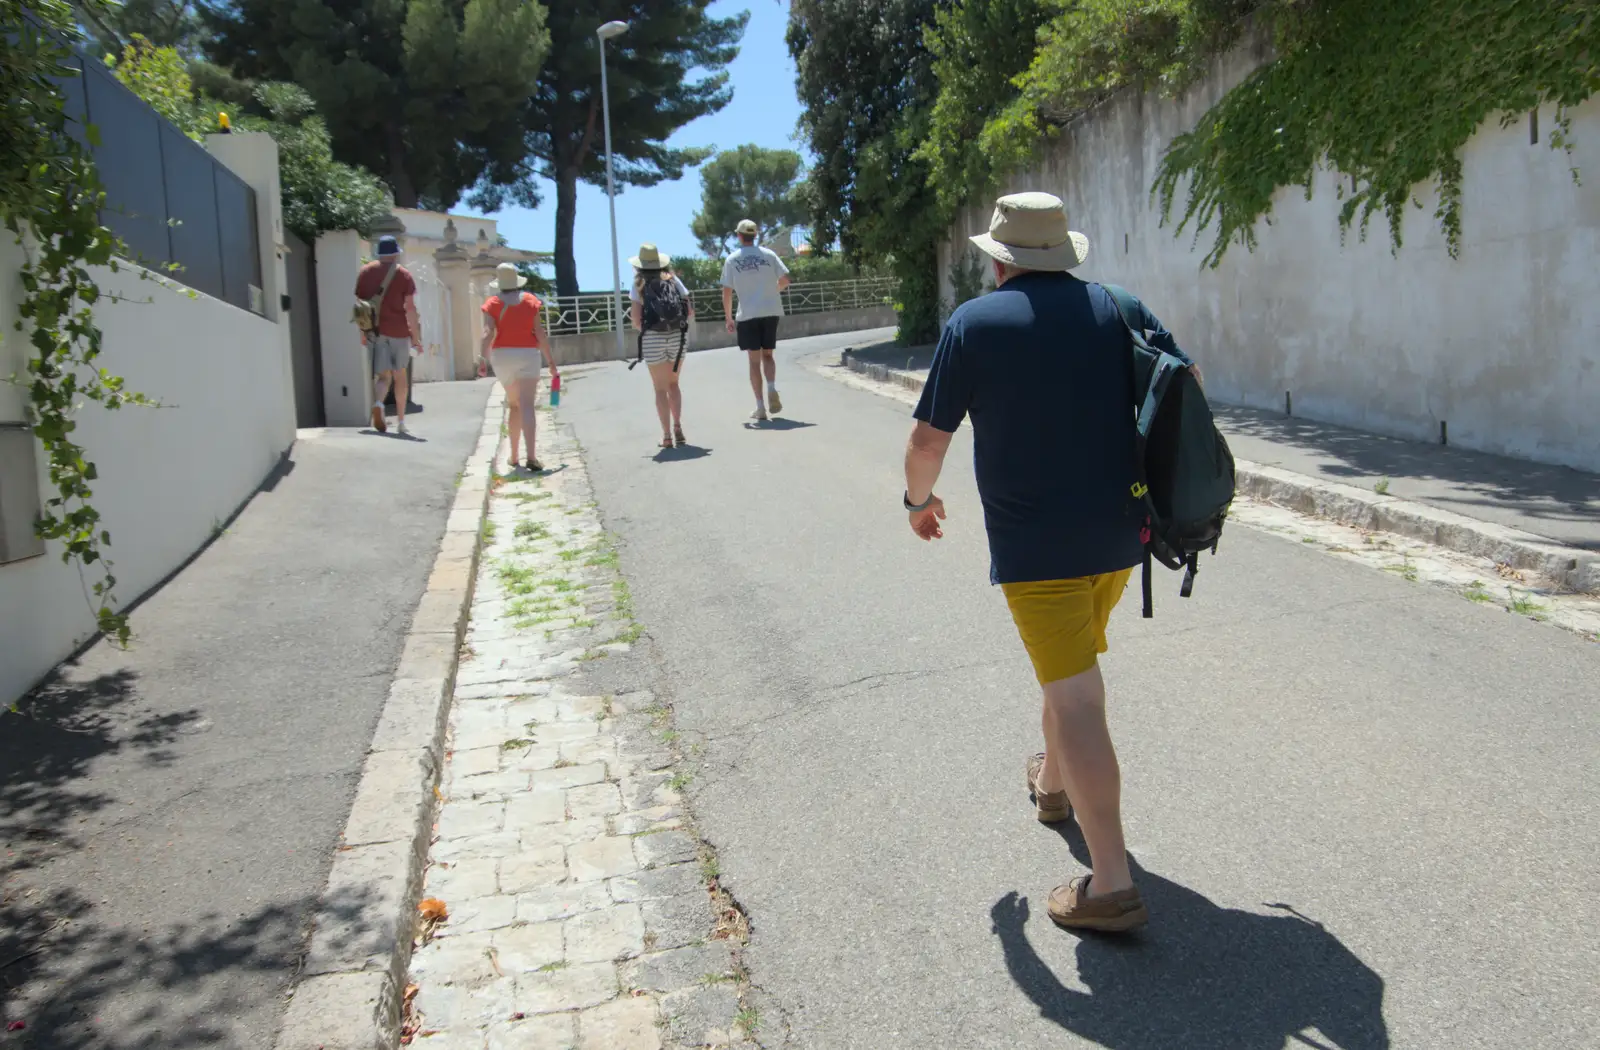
(383, 289)
(1149, 603)
(1127, 305)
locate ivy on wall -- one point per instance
(50, 201)
(1385, 93)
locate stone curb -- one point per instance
(349, 992)
(1570, 567)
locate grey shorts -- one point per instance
(390, 354)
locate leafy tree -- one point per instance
(746, 183)
(653, 94)
(319, 193)
(112, 24)
(432, 94)
(159, 76)
(979, 47)
(867, 84)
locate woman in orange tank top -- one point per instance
(515, 337)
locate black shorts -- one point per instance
(758, 333)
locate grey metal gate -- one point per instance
(305, 343)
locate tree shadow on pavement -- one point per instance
(1201, 976)
(62, 969)
(98, 988)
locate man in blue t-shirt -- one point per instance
(1041, 366)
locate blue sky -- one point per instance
(763, 111)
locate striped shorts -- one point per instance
(662, 347)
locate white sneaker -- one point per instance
(760, 414)
(773, 401)
(401, 428)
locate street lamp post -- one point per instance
(607, 32)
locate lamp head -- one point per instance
(611, 30)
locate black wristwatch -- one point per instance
(914, 507)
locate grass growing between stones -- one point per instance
(531, 530)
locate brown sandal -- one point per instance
(1072, 908)
(1053, 808)
(666, 442)
(677, 435)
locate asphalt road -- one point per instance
(1362, 810)
(169, 813)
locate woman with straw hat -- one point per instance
(515, 336)
(662, 311)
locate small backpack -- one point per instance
(1186, 478)
(664, 308)
(365, 312)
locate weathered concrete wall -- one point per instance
(1501, 343)
(713, 335)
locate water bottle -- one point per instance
(555, 390)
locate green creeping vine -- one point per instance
(50, 200)
(1385, 93)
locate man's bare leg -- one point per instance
(770, 365)
(400, 387)
(380, 390)
(1080, 758)
(755, 357)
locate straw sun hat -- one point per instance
(508, 278)
(1030, 230)
(650, 258)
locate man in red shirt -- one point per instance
(399, 328)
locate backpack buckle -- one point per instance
(1138, 489)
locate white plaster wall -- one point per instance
(1501, 342)
(168, 477)
(429, 225)
(346, 376)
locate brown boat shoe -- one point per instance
(1054, 807)
(1071, 907)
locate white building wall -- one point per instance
(1501, 343)
(168, 477)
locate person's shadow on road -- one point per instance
(680, 454)
(1201, 976)
(777, 423)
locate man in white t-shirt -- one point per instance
(758, 276)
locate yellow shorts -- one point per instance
(1063, 622)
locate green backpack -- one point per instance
(1186, 477)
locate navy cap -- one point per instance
(388, 246)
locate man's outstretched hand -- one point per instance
(925, 522)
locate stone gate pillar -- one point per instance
(454, 266)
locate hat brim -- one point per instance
(1067, 255)
(521, 280)
(662, 262)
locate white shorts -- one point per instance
(513, 363)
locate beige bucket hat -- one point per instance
(507, 277)
(650, 258)
(1030, 230)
